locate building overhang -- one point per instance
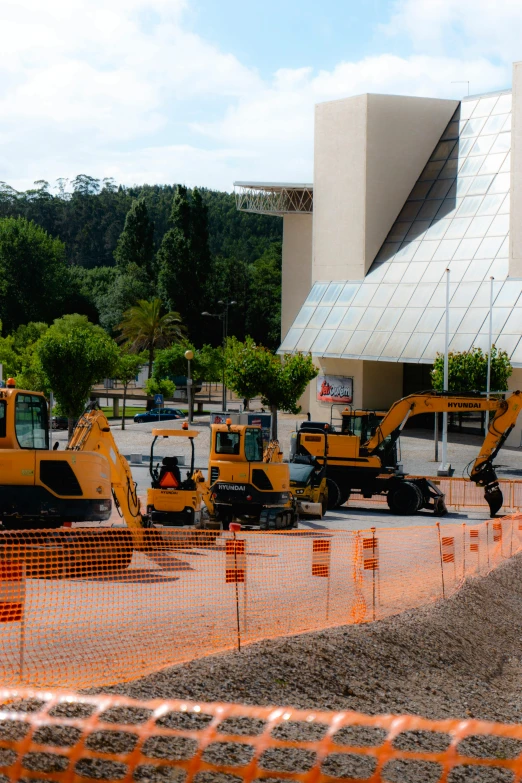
(274, 198)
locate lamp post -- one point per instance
(223, 317)
(189, 355)
(444, 467)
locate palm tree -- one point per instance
(145, 329)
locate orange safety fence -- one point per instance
(64, 738)
(88, 607)
(461, 493)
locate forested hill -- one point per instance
(96, 248)
(88, 215)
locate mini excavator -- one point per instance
(246, 483)
(362, 458)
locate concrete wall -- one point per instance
(376, 385)
(297, 267)
(369, 152)
(515, 228)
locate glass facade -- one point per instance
(456, 218)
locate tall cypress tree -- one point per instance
(184, 259)
(135, 248)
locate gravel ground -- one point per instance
(458, 658)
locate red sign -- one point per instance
(334, 388)
(235, 560)
(320, 557)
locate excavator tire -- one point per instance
(404, 498)
(344, 497)
(334, 494)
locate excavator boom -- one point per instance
(483, 473)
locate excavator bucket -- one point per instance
(494, 498)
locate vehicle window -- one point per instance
(227, 443)
(2, 420)
(254, 445)
(31, 423)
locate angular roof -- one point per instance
(456, 218)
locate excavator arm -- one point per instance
(92, 433)
(483, 472)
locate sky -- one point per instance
(206, 92)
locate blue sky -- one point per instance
(211, 91)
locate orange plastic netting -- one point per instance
(66, 737)
(87, 607)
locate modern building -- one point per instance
(404, 189)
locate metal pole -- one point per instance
(224, 318)
(488, 379)
(189, 393)
(436, 436)
(444, 468)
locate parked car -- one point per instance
(59, 422)
(159, 414)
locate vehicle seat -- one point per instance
(169, 475)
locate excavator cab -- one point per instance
(173, 500)
(247, 483)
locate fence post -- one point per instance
(463, 550)
(487, 543)
(441, 565)
(511, 541)
(234, 526)
(373, 571)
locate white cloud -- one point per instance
(122, 88)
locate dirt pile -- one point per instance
(458, 658)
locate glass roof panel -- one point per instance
(434, 272)
(303, 316)
(499, 268)
(491, 204)
(394, 273)
(423, 294)
(464, 294)
(334, 319)
(376, 344)
(332, 292)
(409, 319)
(479, 226)
(338, 342)
(509, 294)
(467, 248)
(471, 166)
(502, 143)
(395, 345)
(415, 346)
(407, 251)
(370, 319)
(398, 232)
(356, 343)
(364, 294)
(306, 340)
(462, 342)
(513, 324)
(472, 127)
(438, 294)
(348, 293)
(321, 341)
(482, 297)
(516, 356)
(387, 251)
(503, 104)
(319, 317)
(389, 319)
(500, 184)
(434, 346)
(459, 269)
(473, 319)
(291, 339)
(477, 270)
(352, 318)
(430, 319)
(316, 294)
(479, 185)
(426, 250)
(494, 124)
(446, 250)
(493, 163)
(431, 171)
(485, 106)
(383, 295)
(467, 108)
(458, 227)
(469, 206)
(377, 272)
(482, 145)
(507, 342)
(489, 247)
(438, 229)
(402, 295)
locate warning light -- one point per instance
(249, 497)
(10, 383)
(235, 527)
(229, 422)
(184, 426)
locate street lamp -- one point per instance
(189, 355)
(223, 317)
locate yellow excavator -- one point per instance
(365, 461)
(247, 483)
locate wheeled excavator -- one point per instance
(364, 460)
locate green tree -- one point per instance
(75, 354)
(145, 329)
(206, 365)
(135, 248)
(263, 318)
(252, 369)
(125, 291)
(127, 369)
(156, 386)
(467, 371)
(184, 259)
(34, 281)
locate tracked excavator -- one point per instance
(364, 460)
